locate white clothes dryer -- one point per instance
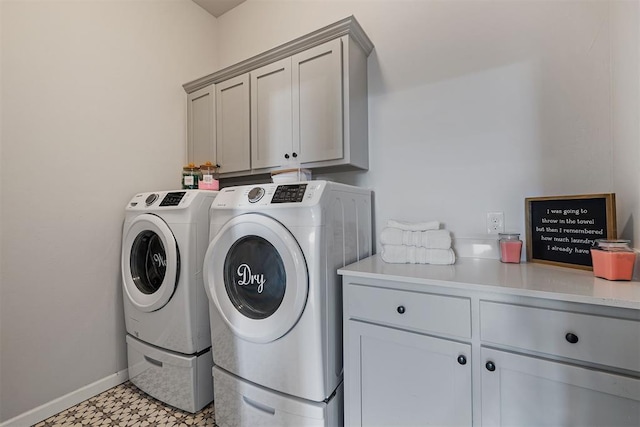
(164, 238)
(270, 274)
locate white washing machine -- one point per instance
(164, 239)
(270, 273)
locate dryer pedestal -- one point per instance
(242, 403)
(182, 381)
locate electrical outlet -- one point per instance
(495, 222)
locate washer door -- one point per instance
(150, 263)
(256, 276)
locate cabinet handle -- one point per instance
(401, 309)
(286, 156)
(462, 360)
(490, 366)
(295, 155)
(571, 337)
(218, 166)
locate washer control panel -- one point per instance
(172, 199)
(289, 193)
(255, 194)
(151, 198)
(167, 200)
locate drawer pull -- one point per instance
(571, 337)
(401, 309)
(462, 360)
(490, 366)
(259, 406)
(153, 361)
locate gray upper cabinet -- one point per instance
(271, 126)
(296, 109)
(318, 103)
(218, 125)
(232, 125)
(201, 144)
(304, 102)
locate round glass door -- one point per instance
(246, 290)
(256, 276)
(150, 263)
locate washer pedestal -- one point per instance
(182, 381)
(242, 403)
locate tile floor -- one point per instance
(126, 406)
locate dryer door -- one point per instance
(256, 276)
(150, 263)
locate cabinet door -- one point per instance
(201, 134)
(527, 391)
(232, 123)
(399, 378)
(271, 115)
(317, 103)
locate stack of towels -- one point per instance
(416, 243)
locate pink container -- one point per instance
(208, 180)
(613, 259)
(211, 185)
(510, 247)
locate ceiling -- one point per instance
(218, 7)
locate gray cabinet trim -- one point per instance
(347, 26)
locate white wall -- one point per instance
(93, 111)
(1, 203)
(625, 63)
(473, 105)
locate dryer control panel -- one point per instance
(302, 193)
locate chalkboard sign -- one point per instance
(562, 229)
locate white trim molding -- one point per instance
(347, 26)
(58, 405)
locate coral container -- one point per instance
(510, 247)
(613, 259)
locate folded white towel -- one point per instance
(413, 226)
(402, 254)
(434, 239)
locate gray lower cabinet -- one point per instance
(559, 367)
(484, 344)
(407, 362)
(402, 378)
(534, 391)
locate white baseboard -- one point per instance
(45, 411)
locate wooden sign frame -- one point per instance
(560, 230)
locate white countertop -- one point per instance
(526, 279)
